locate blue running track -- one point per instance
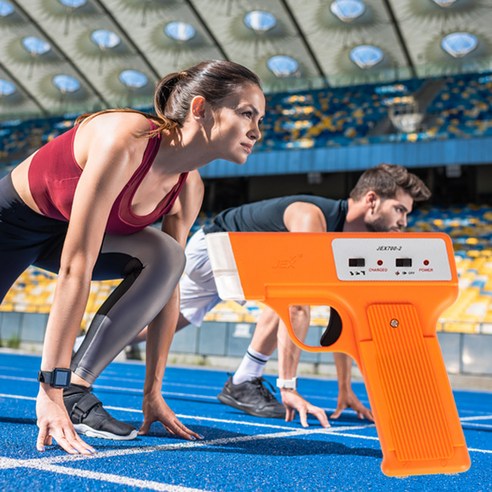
(239, 452)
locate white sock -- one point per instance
(251, 367)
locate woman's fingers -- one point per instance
(42, 438)
(66, 438)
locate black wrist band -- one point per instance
(59, 377)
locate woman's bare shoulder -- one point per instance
(119, 123)
(111, 133)
(195, 178)
(194, 182)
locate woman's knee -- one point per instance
(167, 254)
(152, 251)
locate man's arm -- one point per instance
(288, 361)
(346, 395)
(307, 217)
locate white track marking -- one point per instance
(102, 477)
(17, 397)
(467, 420)
(485, 451)
(197, 417)
(169, 393)
(478, 426)
(49, 464)
(179, 445)
(479, 417)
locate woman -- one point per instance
(81, 206)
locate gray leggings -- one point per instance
(150, 263)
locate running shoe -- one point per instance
(253, 398)
(133, 352)
(89, 417)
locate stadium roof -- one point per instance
(58, 56)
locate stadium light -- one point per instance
(66, 84)
(133, 79)
(260, 21)
(7, 88)
(179, 31)
(6, 9)
(459, 44)
(104, 39)
(347, 10)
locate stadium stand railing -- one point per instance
(331, 117)
(470, 228)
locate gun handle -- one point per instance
(411, 398)
(408, 388)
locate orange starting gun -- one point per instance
(386, 292)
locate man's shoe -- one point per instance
(133, 352)
(252, 397)
(89, 417)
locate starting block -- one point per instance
(386, 292)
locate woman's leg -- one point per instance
(24, 235)
(150, 263)
(13, 264)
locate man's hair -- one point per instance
(386, 180)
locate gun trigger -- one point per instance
(333, 329)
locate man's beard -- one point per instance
(379, 225)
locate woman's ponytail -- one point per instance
(163, 92)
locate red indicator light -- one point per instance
(380, 262)
(426, 262)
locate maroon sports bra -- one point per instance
(54, 175)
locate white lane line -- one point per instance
(227, 421)
(179, 445)
(110, 377)
(467, 420)
(485, 451)
(165, 393)
(478, 426)
(6, 463)
(481, 417)
(203, 444)
(136, 391)
(102, 477)
(238, 422)
(18, 378)
(139, 391)
(17, 397)
(48, 464)
(197, 417)
(123, 380)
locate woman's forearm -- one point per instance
(64, 322)
(159, 338)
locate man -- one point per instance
(380, 202)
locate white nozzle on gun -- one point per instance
(224, 266)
